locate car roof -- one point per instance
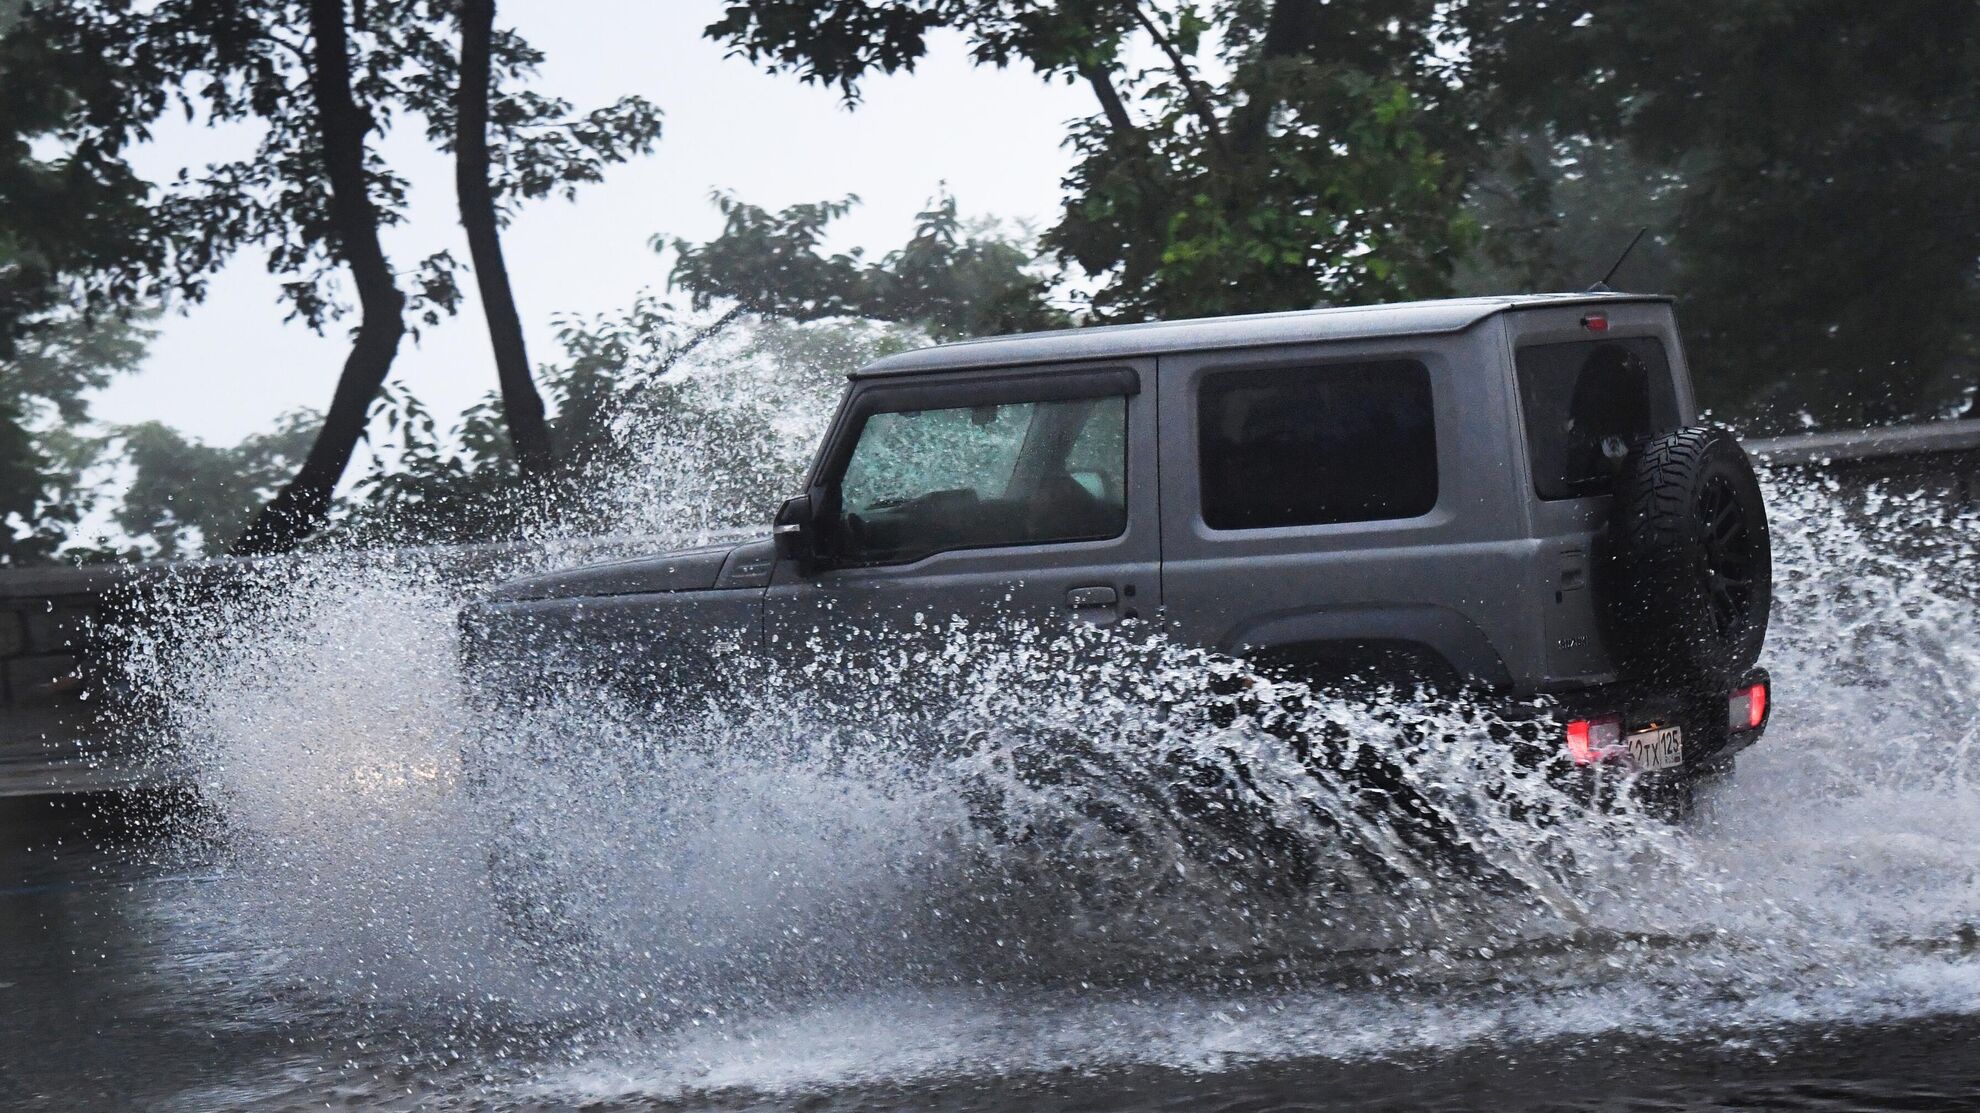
(1250, 330)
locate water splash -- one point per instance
(1056, 856)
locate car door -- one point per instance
(962, 505)
(1345, 505)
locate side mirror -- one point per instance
(796, 532)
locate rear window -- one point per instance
(1586, 403)
(1318, 445)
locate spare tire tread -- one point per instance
(1659, 613)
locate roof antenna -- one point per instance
(1602, 287)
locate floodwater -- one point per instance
(1024, 888)
(115, 999)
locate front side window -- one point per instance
(1303, 446)
(1586, 402)
(1020, 473)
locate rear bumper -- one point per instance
(1710, 742)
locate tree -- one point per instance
(949, 281)
(45, 450)
(75, 242)
(545, 149)
(352, 224)
(1322, 156)
(187, 498)
(1810, 171)
(1826, 226)
(664, 424)
(75, 234)
(1556, 212)
(312, 194)
(528, 428)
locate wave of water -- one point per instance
(1037, 870)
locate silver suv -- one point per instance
(1508, 495)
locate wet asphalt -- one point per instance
(107, 1002)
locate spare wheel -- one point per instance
(1688, 564)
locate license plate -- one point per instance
(1657, 748)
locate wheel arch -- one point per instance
(1415, 639)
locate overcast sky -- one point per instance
(230, 365)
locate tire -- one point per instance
(533, 905)
(531, 894)
(1688, 563)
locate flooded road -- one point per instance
(109, 999)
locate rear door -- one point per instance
(1346, 504)
(958, 505)
(1591, 381)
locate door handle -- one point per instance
(1092, 598)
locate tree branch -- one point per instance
(1198, 103)
(1111, 104)
(299, 49)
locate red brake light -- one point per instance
(1593, 740)
(1746, 708)
(1578, 748)
(1596, 322)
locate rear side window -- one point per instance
(1586, 403)
(1305, 446)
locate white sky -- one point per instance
(229, 366)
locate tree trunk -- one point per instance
(522, 406)
(1291, 27)
(302, 505)
(1110, 101)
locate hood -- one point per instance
(698, 569)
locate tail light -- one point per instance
(1593, 740)
(1746, 708)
